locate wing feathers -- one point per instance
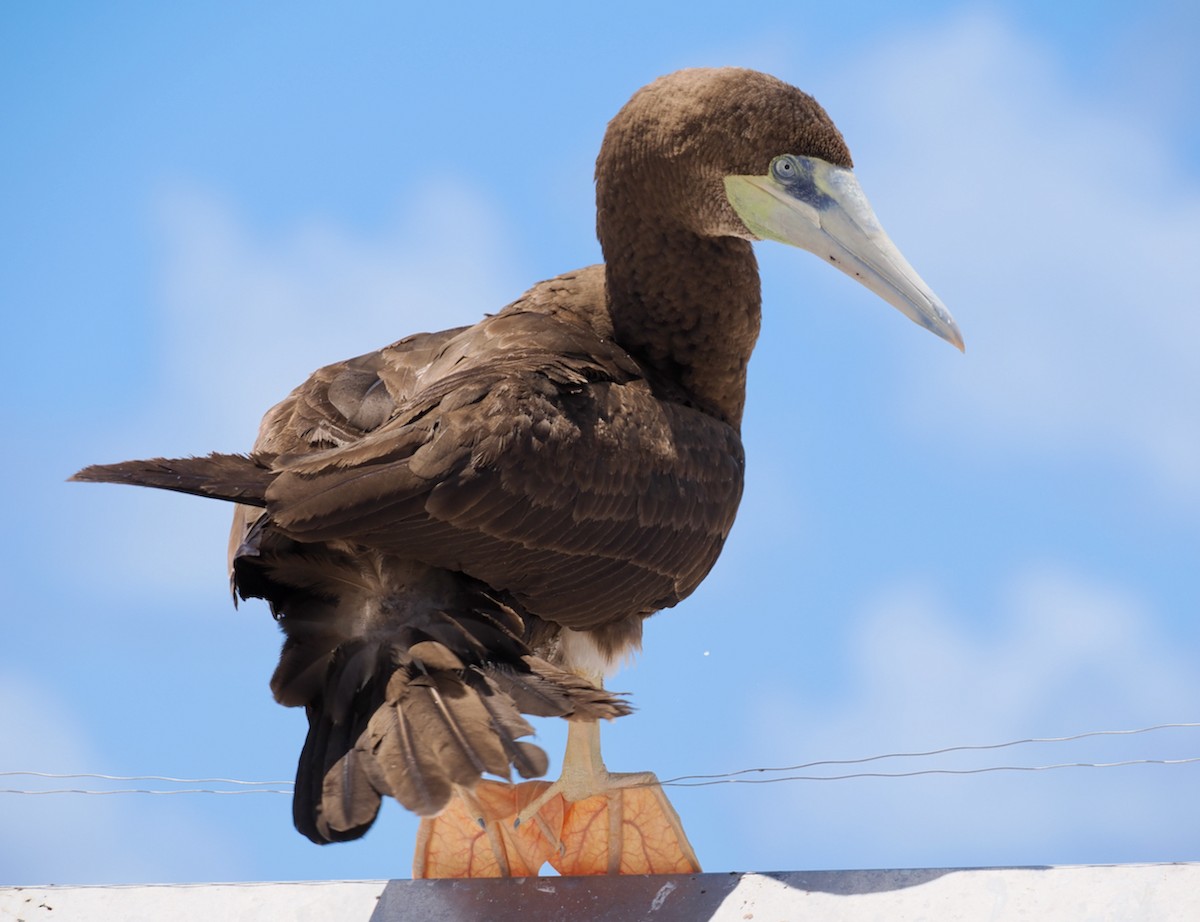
(422, 504)
(237, 478)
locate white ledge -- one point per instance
(1158, 892)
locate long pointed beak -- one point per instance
(819, 207)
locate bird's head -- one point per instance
(728, 152)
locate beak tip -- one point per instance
(940, 322)
(958, 338)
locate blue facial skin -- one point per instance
(795, 174)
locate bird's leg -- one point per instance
(612, 823)
(589, 821)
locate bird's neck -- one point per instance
(688, 308)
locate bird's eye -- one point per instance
(784, 168)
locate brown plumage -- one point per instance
(443, 525)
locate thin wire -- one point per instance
(680, 780)
(140, 778)
(146, 791)
(714, 780)
(734, 777)
(249, 787)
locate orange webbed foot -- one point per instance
(626, 830)
(589, 821)
(629, 829)
(477, 836)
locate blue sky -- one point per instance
(934, 549)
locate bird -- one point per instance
(469, 527)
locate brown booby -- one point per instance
(468, 526)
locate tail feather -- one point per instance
(547, 691)
(232, 477)
(455, 716)
(529, 760)
(351, 800)
(436, 725)
(330, 774)
(408, 770)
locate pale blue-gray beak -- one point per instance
(819, 207)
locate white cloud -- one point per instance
(1062, 654)
(79, 838)
(1060, 229)
(1060, 645)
